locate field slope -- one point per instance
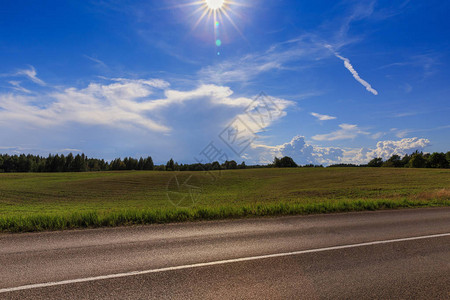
(52, 201)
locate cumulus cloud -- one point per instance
(385, 149)
(347, 131)
(322, 117)
(302, 152)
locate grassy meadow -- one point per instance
(53, 201)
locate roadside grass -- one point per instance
(92, 219)
(37, 202)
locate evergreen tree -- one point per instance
(148, 164)
(170, 165)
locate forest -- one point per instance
(82, 163)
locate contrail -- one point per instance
(356, 75)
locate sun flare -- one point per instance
(217, 13)
(215, 4)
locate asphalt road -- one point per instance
(386, 254)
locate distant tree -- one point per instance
(427, 156)
(394, 162)
(214, 166)
(285, 162)
(376, 162)
(170, 165)
(141, 164)
(79, 163)
(69, 163)
(242, 165)
(148, 164)
(342, 165)
(159, 168)
(438, 160)
(230, 165)
(405, 161)
(276, 162)
(417, 161)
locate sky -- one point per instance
(321, 81)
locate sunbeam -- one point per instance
(215, 12)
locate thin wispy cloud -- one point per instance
(322, 117)
(406, 114)
(16, 86)
(96, 60)
(425, 61)
(31, 74)
(278, 57)
(346, 131)
(401, 133)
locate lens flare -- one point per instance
(215, 4)
(219, 12)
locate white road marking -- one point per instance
(213, 263)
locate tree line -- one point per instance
(82, 163)
(415, 160)
(69, 163)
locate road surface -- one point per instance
(384, 254)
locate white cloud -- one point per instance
(299, 150)
(402, 133)
(69, 150)
(96, 60)
(31, 74)
(385, 149)
(406, 114)
(16, 86)
(377, 135)
(322, 117)
(356, 75)
(280, 56)
(127, 103)
(156, 83)
(347, 131)
(304, 153)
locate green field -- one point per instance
(51, 201)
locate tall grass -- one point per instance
(92, 219)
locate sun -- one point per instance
(215, 4)
(217, 13)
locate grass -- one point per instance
(54, 201)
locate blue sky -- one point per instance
(344, 81)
